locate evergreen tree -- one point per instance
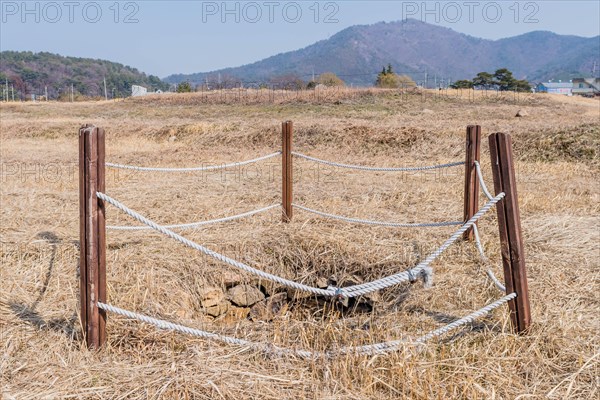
(504, 79)
(483, 79)
(462, 84)
(184, 87)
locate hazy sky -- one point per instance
(165, 37)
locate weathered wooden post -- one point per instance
(471, 197)
(286, 168)
(92, 260)
(509, 224)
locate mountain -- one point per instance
(419, 49)
(31, 73)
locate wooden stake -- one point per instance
(509, 224)
(92, 225)
(101, 238)
(82, 230)
(286, 167)
(471, 197)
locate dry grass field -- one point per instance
(558, 167)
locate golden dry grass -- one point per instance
(557, 169)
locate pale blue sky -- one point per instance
(166, 37)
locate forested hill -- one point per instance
(422, 51)
(30, 73)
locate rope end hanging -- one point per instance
(426, 275)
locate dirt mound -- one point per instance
(580, 143)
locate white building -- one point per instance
(138, 90)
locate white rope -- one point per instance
(379, 223)
(196, 224)
(382, 283)
(380, 169)
(218, 256)
(193, 169)
(482, 182)
(486, 260)
(350, 291)
(469, 318)
(372, 349)
(387, 347)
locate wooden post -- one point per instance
(286, 168)
(471, 197)
(509, 224)
(101, 238)
(92, 261)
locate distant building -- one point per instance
(586, 86)
(138, 90)
(555, 88)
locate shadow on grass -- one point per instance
(28, 314)
(67, 326)
(487, 324)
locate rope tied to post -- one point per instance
(500, 146)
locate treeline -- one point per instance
(30, 73)
(387, 78)
(288, 81)
(502, 80)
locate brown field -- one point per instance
(557, 150)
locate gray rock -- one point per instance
(245, 295)
(210, 296)
(522, 113)
(322, 283)
(218, 309)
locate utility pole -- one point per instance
(46, 92)
(12, 87)
(71, 92)
(105, 94)
(6, 98)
